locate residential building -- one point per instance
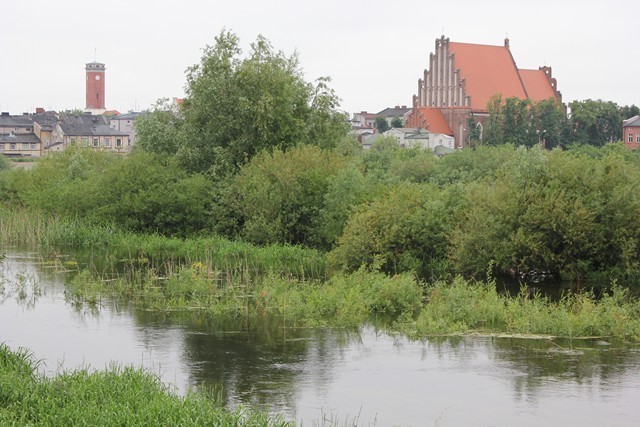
(17, 138)
(124, 123)
(20, 145)
(88, 131)
(15, 124)
(631, 132)
(462, 78)
(391, 113)
(416, 137)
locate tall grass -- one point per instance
(33, 228)
(401, 302)
(463, 307)
(117, 396)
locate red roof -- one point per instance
(537, 84)
(491, 70)
(487, 70)
(430, 119)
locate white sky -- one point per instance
(374, 51)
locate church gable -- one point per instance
(463, 77)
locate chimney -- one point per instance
(506, 42)
(39, 110)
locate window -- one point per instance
(630, 137)
(25, 146)
(73, 139)
(1, 147)
(85, 141)
(13, 146)
(96, 142)
(33, 146)
(107, 141)
(638, 137)
(118, 142)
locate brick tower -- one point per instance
(95, 87)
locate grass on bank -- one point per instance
(113, 397)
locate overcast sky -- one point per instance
(374, 51)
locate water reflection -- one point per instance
(308, 374)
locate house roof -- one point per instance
(633, 121)
(87, 125)
(128, 116)
(537, 85)
(47, 121)
(396, 111)
(15, 121)
(28, 138)
(487, 70)
(436, 122)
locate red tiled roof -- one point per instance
(488, 70)
(537, 85)
(435, 121)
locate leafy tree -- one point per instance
(550, 123)
(595, 122)
(158, 130)
(494, 134)
(397, 122)
(381, 124)
(236, 107)
(626, 112)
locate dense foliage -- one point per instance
(236, 107)
(572, 213)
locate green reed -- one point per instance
(464, 307)
(116, 396)
(28, 227)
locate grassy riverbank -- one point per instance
(113, 397)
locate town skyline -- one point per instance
(374, 58)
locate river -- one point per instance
(364, 376)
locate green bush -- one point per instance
(279, 197)
(403, 230)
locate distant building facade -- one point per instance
(125, 123)
(631, 132)
(462, 78)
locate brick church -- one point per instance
(461, 79)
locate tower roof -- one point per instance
(95, 66)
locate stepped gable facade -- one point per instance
(462, 78)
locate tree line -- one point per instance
(549, 124)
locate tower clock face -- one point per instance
(97, 77)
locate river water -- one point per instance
(325, 376)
